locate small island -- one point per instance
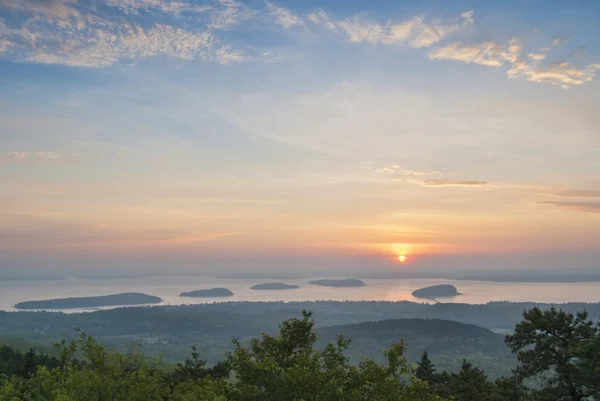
(338, 283)
(208, 293)
(436, 291)
(130, 298)
(274, 286)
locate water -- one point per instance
(169, 288)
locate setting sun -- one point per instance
(401, 258)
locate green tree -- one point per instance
(287, 367)
(107, 375)
(425, 370)
(510, 388)
(30, 362)
(559, 348)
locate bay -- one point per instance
(169, 288)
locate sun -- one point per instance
(401, 258)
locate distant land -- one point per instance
(274, 286)
(446, 342)
(575, 278)
(434, 291)
(211, 292)
(338, 283)
(130, 298)
(262, 276)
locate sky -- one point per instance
(309, 134)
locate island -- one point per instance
(130, 298)
(435, 291)
(208, 293)
(274, 286)
(338, 283)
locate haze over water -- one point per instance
(169, 288)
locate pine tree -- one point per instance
(30, 362)
(425, 369)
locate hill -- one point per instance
(208, 293)
(274, 286)
(338, 283)
(130, 298)
(447, 342)
(435, 291)
(170, 330)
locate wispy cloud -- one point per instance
(402, 174)
(519, 63)
(129, 43)
(38, 155)
(230, 14)
(61, 32)
(416, 32)
(168, 7)
(434, 182)
(18, 155)
(283, 16)
(47, 155)
(578, 193)
(60, 12)
(406, 172)
(588, 207)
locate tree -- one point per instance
(510, 388)
(30, 362)
(561, 349)
(425, 370)
(287, 367)
(107, 375)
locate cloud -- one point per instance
(103, 44)
(519, 64)
(4, 45)
(227, 55)
(57, 32)
(282, 16)
(559, 40)
(39, 155)
(578, 193)
(406, 172)
(588, 207)
(536, 56)
(487, 53)
(320, 17)
(416, 32)
(47, 155)
(230, 14)
(434, 182)
(129, 43)
(408, 175)
(61, 12)
(167, 7)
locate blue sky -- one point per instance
(136, 127)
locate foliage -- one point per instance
(560, 350)
(425, 369)
(288, 367)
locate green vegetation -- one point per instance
(169, 331)
(436, 291)
(446, 342)
(338, 283)
(274, 286)
(207, 293)
(556, 349)
(131, 298)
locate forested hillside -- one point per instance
(446, 342)
(558, 351)
(170, 331)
